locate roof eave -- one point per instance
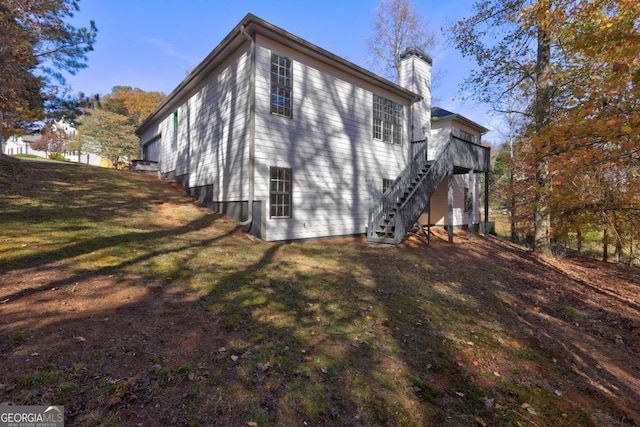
(323, 55)
(456, 116)
(252, 25)
(229, 43)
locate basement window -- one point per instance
(280, 192)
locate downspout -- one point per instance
(410, 136)
(411, 110)
(252, 128)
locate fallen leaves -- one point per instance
(529, 409)
(263, 367)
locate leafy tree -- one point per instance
(575, 66)
(53, 140)
(110, 135)
(108, 128)
(506, 166)
(512, 42)
(397, 26)
(36, 46)
(132, 102)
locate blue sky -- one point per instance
(152, 45)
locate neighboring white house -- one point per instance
(295, 142)
(17, 145)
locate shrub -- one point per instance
(56, 156)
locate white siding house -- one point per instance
(287, 138)
(17, 145)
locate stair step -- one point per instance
(385, 222)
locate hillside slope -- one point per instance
(123, 300)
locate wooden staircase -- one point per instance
(400, 206)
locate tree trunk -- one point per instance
(605, 245)
(542, 109)
(579, 235)
(512, 196)
(618, 236)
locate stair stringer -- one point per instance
(404, 201)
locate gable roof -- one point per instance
(252, 25)
(438, 114)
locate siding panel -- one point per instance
(210, 145)
(337, 166)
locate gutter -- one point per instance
(257, 25)
(252, 129)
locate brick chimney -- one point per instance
(415, 75)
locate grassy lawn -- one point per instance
(123, 300)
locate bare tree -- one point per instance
(397, 26)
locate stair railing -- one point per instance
(416, 202)
(404, 206)
(388, 202)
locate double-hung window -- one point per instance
(386, 183)
(280, 85)
(387, 120)
(280, 192)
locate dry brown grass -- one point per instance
(126, 302)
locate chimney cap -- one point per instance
(416, 51)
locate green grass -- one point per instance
(322, 333)
(29, 156)
(46, 376)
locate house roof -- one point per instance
(26, 138)
(438, 114)
(252, 25)
(31, 137)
